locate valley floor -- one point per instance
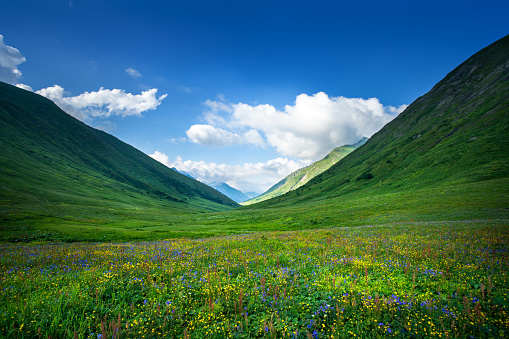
(416, 279)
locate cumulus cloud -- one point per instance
(132, 72)
(308, 129)
(10, 58)
(103, 103)
(213, 136)
(256, 177)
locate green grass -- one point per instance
(479, 200)
(409, 280)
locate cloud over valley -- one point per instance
(246, 177)
(307, 130)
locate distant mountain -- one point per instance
(301, 176)
(452, 137)
(231, 192)
(54, 166)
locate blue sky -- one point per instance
(242, 92)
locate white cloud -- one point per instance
(257, 177)
(10, 58)
(217, 137)
(103, 103)
(307, 130)
(212, 136)
(132, 72)
(253, 137)
(25, 87)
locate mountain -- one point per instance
(301, 176)
(450, 147)
(53, 166)
(230, 192)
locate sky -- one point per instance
(242, 92)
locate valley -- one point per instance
(404, 236)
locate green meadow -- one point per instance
(406, 280)
(479, 200)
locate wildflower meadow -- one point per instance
(409, 280)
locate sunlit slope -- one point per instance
(303, 175)
(54, 165)
(455, 135)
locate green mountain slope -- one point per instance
(452, 141)
(54, 166)
(303, 175)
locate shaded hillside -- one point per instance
(54, 165)
(456, 134)
(303, 175)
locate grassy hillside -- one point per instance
(302, 176)
(55, 169)
(455, 135)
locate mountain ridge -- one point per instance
(303, 175)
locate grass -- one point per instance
(480, 200)
(421, 279)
